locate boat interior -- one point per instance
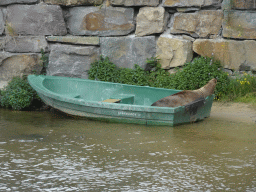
(90, 90)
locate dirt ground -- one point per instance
(237, 112)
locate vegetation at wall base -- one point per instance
(103, 70)
(197, 73)
(242, 88)
(193, 75)
(18, 94)
(45, 60)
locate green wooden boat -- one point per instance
(115, 102)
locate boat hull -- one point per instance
(134, 107)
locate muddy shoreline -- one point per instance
(234, 112)
(229, 111)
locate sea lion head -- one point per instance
(208, 89)
(213, 81)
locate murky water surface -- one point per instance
(44, 151)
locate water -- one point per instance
(45, 151)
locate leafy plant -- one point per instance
(103, 70)
(197, 73)
(242, 86)
(18, 94)
(45, 60)
(158, 77)
(192, 76)
(136, 76)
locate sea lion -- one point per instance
(187, 96)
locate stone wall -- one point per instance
(76, 32)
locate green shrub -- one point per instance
(18, 94)
(157, 76)
(136, 76)
(45, 61)
(197, 73)
(192, 76)
(103, 70)
(242, 86)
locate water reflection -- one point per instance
(44, 151)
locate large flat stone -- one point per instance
(109, 21)
(191, 3)
(12, 65)
(71, 60)
(135, 2)
(35, 20)
(8, 2)
(232, 54)
(199, 24)
(173, 51)
(75, 40)
(151, 20)
(74, 2)
(244, 4)
(239, 4)
(130, 50)
(239, 24)
(25, 44)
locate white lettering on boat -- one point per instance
(122, 113)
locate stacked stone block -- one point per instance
(76, 32)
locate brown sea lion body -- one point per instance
(187, 96)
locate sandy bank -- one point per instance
(235, 112)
